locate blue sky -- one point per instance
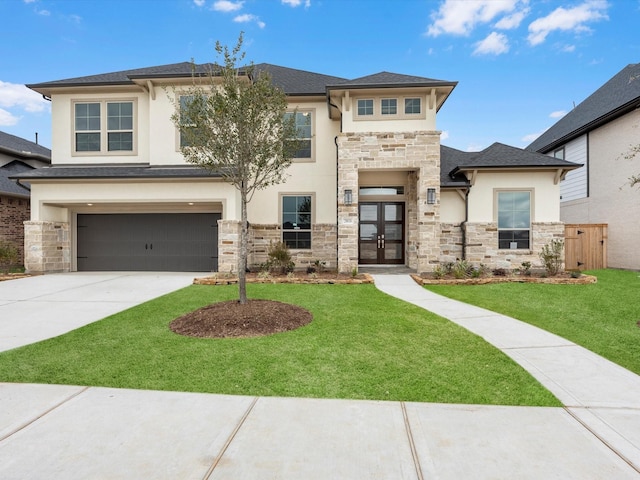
(521, 64)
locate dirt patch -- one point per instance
(232, 319)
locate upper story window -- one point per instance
(185, 121)
(559, 153)
(365, 106)
(514, 219)
(400, 108)
(103, 127)
(412, 106)
(304, 128)
(389, 106)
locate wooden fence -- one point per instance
(585, 246)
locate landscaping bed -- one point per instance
(321, 278)
(559, 279)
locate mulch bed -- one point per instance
(232, 319)
(560, 279)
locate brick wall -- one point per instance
(13, 213)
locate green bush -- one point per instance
(9, 256)
(551, 256)
(279, 258)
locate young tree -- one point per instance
(234, 122)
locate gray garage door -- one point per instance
(160, 242)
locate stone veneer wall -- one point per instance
(47, 247)
(482, 244)
(228, 245)
(323, 245)
(450, 242)
(417, 152)
(13, 213)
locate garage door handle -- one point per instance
(151, 246)
(146, 246)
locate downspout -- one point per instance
(335, 141)
(463, 225)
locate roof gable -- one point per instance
(618, 96)
(389, 79)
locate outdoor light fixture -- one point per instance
(431, 196)
(348, 197)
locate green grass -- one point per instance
(602, 317)
(362, 344)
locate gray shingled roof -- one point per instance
(21, 148)
(292, 81)
(499, 155)
(11, 187)
(115, 172)
(618, 96)
(389, 79)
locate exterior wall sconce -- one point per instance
(348, 197)
(431, 196)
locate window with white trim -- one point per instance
(514, 219)
(103, 127)
(296, 221)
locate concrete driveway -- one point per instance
(45, 306)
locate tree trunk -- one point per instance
(243, 254)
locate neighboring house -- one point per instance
(599, 133)
(372, 185)
(17, 156)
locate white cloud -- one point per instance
(494, 44)
(13, 95)
(297, 3)
(227, 6)
(44, 13)
(7, 119)
(532, 136)
(29, 1)
(199, 3)
(511, 22)
(571, 19)
(460, 17)
(248, 17)
(558, 114)
(444, 135)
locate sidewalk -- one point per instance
(601, 395)
(69, 432)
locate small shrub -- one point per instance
(524, 269)
(551, 256)
(480, 271)
(439, 272)
(279, 258)
(354, 272)
(320, 265)
(264, 274)
(311, 270)
(462, 269)
(576, 273)
(499, 272)
(448, 267)
(9, 256)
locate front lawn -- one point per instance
(362, 344)
(602, 317)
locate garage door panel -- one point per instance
(147, 242)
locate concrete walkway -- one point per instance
(69, 432)
(45, 306)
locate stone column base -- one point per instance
(46, 247)
(228, 245)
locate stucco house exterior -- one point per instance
(372, 185)
(599, 133)
(17, 156)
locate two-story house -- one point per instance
(17, 156)
(373, 186)
(601, 133)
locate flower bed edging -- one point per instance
(581, 280)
